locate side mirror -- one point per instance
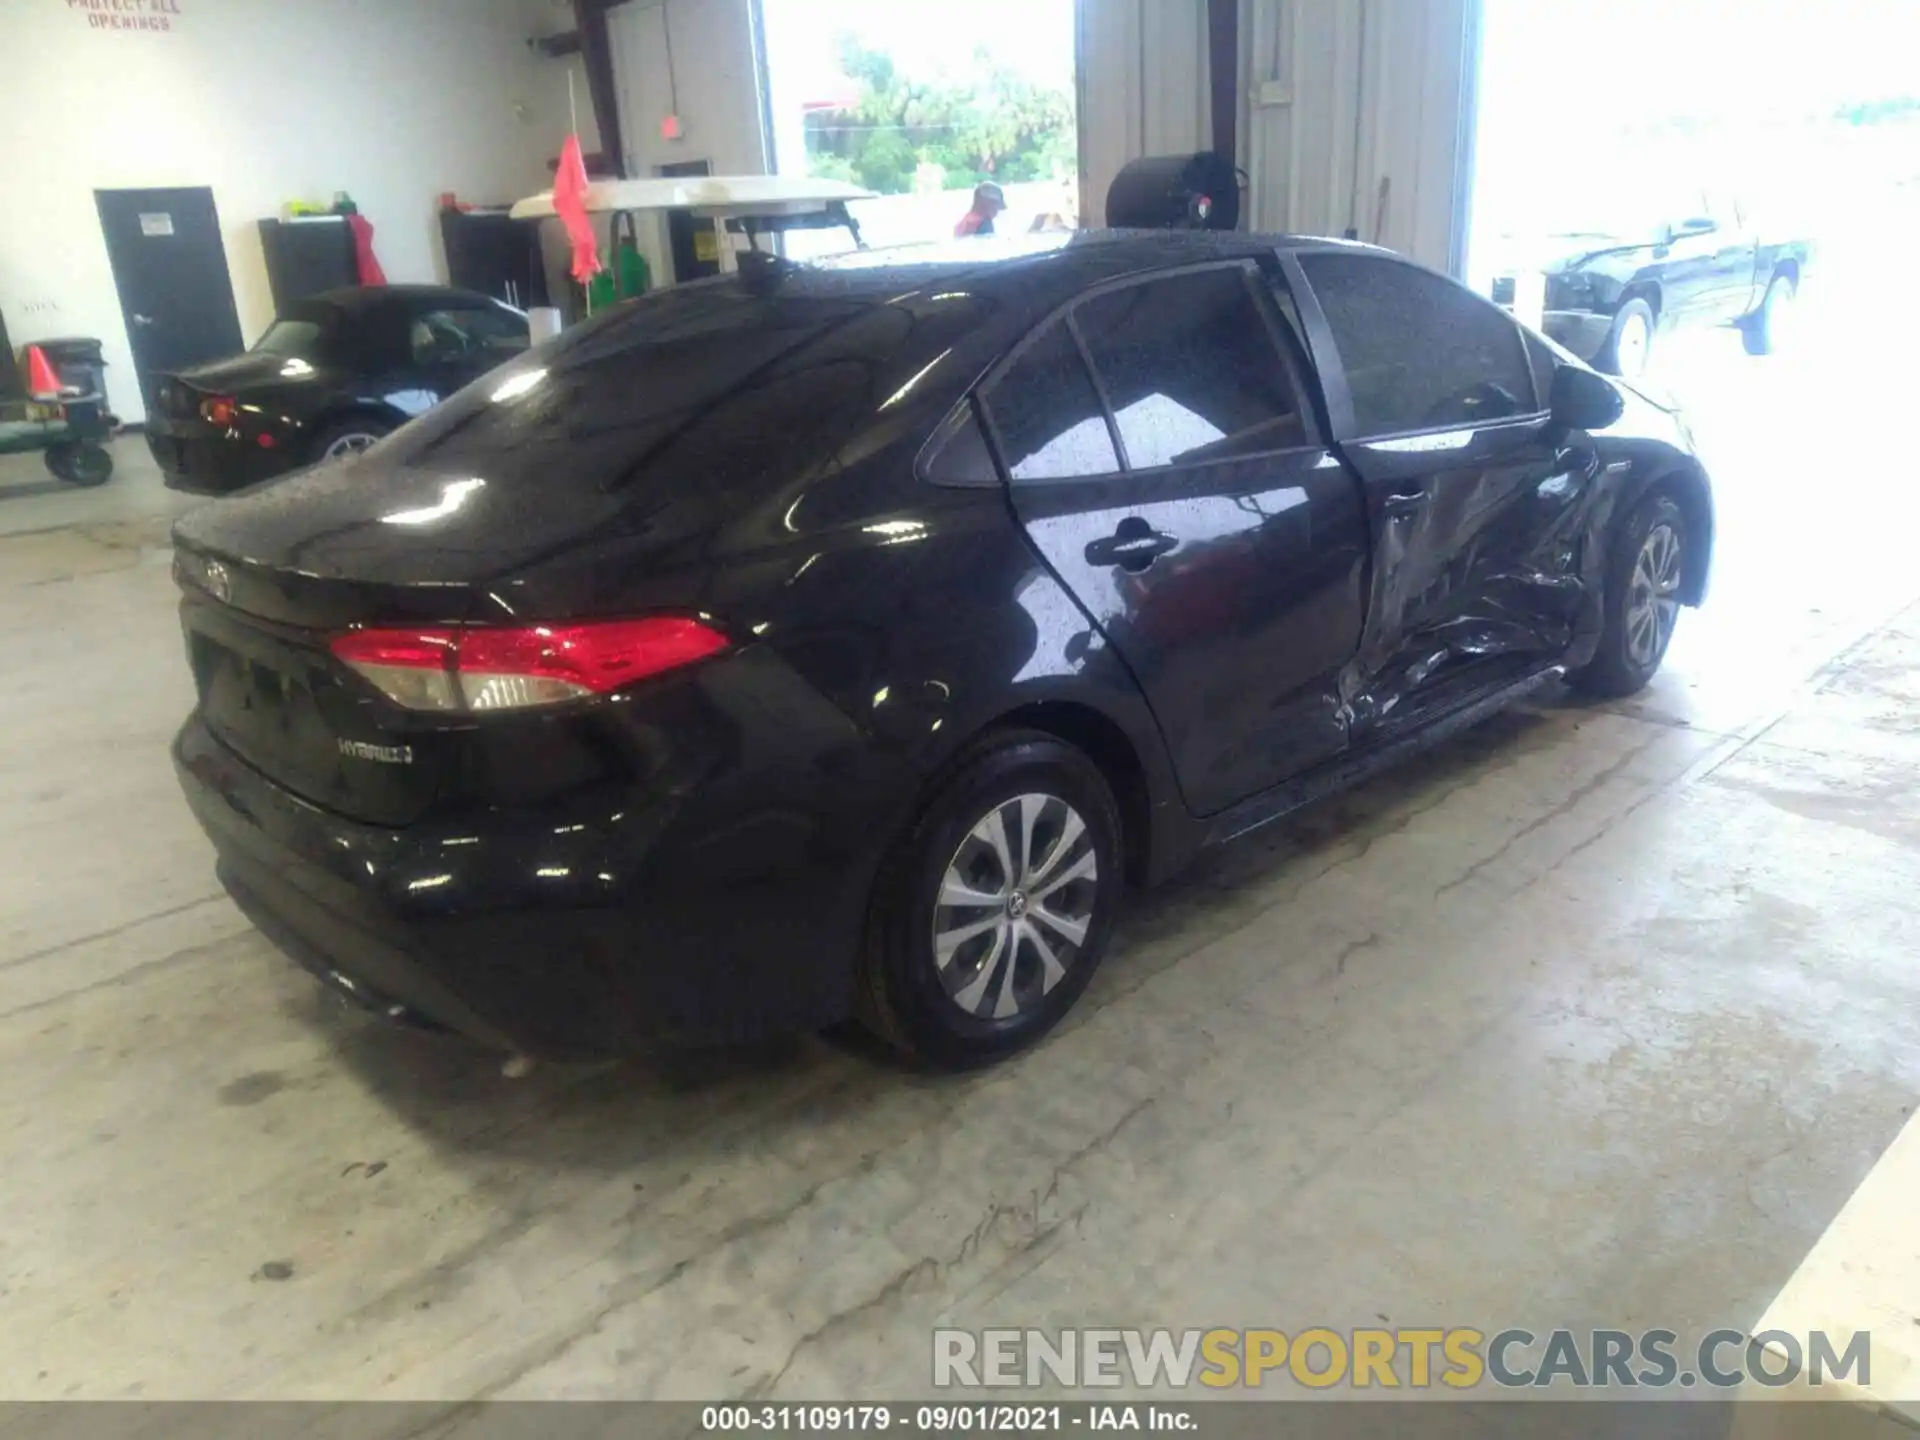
(1582, 400)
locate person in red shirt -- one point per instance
(988, 201)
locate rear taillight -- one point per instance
(524, 666)
(220, 410)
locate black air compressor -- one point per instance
(1175, 192)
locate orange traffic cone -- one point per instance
(42, 383)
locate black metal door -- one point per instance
(171, 271)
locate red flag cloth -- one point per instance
(570, 204)
(370, 271)
(42, 383)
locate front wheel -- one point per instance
(991, 919)
(1644, 573)
(78, 463)
(1767, 326)
(1629, 345)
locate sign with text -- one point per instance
(148, 15)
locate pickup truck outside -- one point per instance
(1609, 295)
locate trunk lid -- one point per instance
(177, 397)
(269, 577)
(597, 476)
(274, 696)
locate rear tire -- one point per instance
(348, 437)
(993, 913)
(1760, 333)
(1644, 575)
(1629, 345)
(79, 463)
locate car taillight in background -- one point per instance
(522, 667)
(220, 409)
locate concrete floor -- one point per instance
(1594, 1017)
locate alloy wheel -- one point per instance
(350, 444)
(1016, 905)
(1633, 345)
(1779, 317)
(1653, 596)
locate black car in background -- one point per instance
(1609, 296)
(332, 375)
(841, 639)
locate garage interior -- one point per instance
(1597, 1016)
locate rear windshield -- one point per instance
(297, 338)
(711, 385)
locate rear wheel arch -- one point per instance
(1102, 740)
(1141, 795)
(1647, 290)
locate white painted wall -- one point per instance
(1322, 82)
(712, 85)
(393, 101)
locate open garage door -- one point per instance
(961, 118)
(1720, 199)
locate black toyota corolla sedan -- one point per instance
(332, 375)
(839, 640)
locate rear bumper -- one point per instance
(212, 464)
(579, 931)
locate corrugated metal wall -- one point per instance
(1337, 97)
(1143, 88)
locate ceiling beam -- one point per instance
(596, 53)
(1223, 71)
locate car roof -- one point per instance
(359, 299)
(1034, 271)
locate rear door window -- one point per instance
(1046, 413)
(1191, 369)
(1420, 352)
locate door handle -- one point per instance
(143, 319)
(1133, 546)
(1406, 502)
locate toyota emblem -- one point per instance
(219, 582)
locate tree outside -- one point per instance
(898, 133)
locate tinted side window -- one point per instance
(461, 334)
(1190, 369)
(1048, 414)
(958, 455)
(1419, 350)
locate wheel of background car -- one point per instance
(1646, 566)
(1764, 330)
(348, 437)
(78, 464)
(1629, 344)
(996, 909)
